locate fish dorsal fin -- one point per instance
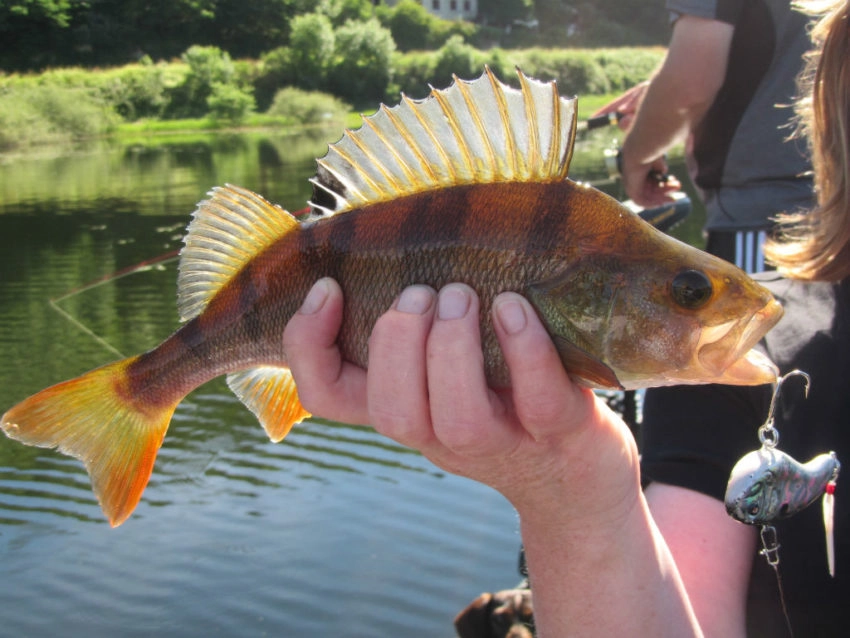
(482, 131)
(226, 231)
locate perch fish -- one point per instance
(469, 184)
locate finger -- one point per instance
(546, 401)
(327, 385)
(397, 386)
(468, 418)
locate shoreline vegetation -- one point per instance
(206, 91)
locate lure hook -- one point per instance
(769, 435)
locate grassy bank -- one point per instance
(70, 106)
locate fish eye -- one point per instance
(691, 289)
(753, 509)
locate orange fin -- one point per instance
(269, 393)
(91, 418)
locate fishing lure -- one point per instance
(768, 485)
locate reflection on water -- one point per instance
(336, 531)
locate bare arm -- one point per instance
(597, 562)
(675, 101)
(713, 552)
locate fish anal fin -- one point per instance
(585, 367)
(91, 419)
(270, 393)
(227, 231)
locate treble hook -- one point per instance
(768, 435)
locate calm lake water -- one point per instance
(334, 532)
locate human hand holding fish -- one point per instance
(426, 386)
(556, 451)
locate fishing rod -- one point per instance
(663, 217)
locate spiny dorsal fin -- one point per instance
(481, 131)
(226, 231)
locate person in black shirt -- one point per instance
(693, 436)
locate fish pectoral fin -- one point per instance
(572, 345)
(95, 419)
(585, 367)
(270, 393)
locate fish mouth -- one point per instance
(726, 352)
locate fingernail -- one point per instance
(316, 298)
(453, 303)
(415, 300)
(511, 315)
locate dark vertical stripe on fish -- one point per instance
(341, 238)
(438, 216)
(313, 257)
(247, 303)
(550, 222)
(193, 337)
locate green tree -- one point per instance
(503, 12)
(247, 29)
(229, 103)
(362, 68)
(341, 11)
(34, 33)
(455, 57)
(208, 67)
(410, 25)
(312, 43)
(57, 12)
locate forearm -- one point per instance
(676, 99)
(661, 122)
(616, 580)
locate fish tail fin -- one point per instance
(95, 419)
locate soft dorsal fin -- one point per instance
(481, 131)
(226, 231)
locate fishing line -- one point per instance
(144, 266)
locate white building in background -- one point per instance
(448, 9)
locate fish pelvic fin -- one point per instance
(479, 131)
(227, 230)
(270, 393)
(93, 419)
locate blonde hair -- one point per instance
(816, 245)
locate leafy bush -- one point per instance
(362, 67)
(276, 70)
(136, 91)
(308, 107)
(626, 67)
(32, 114)
(207, 66)
(456, 57)
(312, 45)
(413, 72)
(229, 103)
